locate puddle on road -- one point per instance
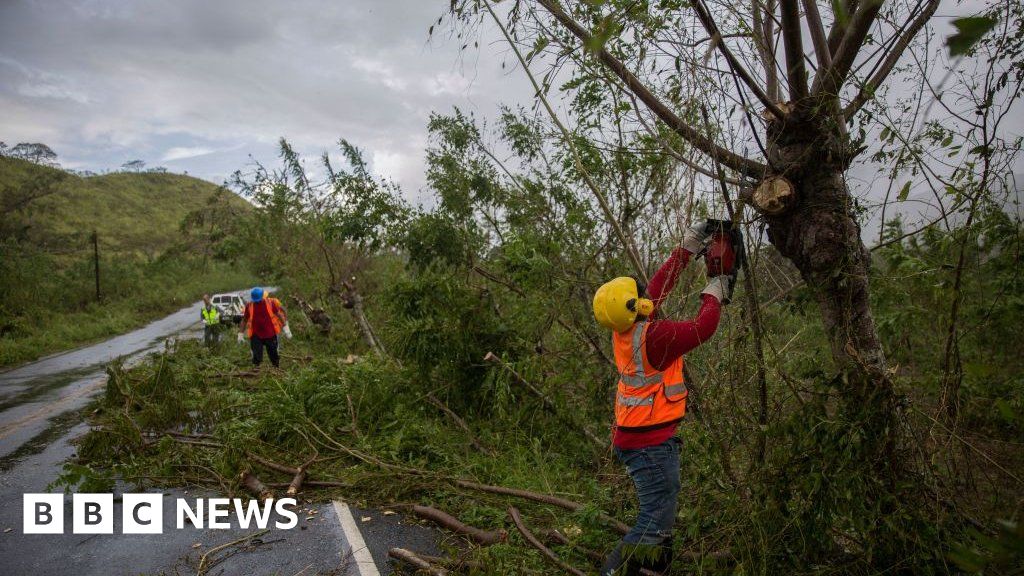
(36, 395)
(48, 383)
(59, 426)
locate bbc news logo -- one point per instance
(144, 513)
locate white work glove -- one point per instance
(695, 238)
(287, 332)
(720, 287)
(241, 338)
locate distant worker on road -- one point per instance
(262, 321)
(211, 318)
(651, 397)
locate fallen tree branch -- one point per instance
(316, 316)
(202, 561)
(313, 484)
(253, 484)
(272, 465)
(529, 537)
(351, 299)
(299, 478)
(240, 374)
(547, 402)
(459, 422)
(368, 458)
(559, 538)
(454, 563)
(614, 524)
(413, 559)
(203, 443)
(194, 436)
(352, 413)
(482, 537)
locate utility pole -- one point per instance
(96, 260)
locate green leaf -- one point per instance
(1006, 411)
(902, 196)
(602, 34)
(970, 30)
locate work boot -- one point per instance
(664, 561)
(616, 565)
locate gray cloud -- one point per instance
(200, 86)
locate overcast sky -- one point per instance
(199, 85)
(202, 85)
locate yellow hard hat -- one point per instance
(617, 304)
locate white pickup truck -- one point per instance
(231, 306)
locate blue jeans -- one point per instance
(655, 474)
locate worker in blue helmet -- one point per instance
(264, 318)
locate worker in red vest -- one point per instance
(651, 397)
(262, 321)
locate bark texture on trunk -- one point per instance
(821, 236)
(823, 240)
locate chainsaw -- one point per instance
(725, 253)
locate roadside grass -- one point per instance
(370, 429)
(156, 290)
(374, 431)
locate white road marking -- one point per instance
(360, 553)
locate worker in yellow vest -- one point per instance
(650, 398)
(210, 316)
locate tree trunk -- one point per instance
(821, 236)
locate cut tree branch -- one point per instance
(253, 484)
(413, 559)
(459, 422)
(445, 520)
(548, 403)
(614, 524)
(533, 541)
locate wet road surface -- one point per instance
(40, 416)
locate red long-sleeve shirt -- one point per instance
(669, 339)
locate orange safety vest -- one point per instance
(646, 398)
(251, 311)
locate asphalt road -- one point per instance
(40, 416)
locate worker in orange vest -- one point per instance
(262, 321)
(650, 399)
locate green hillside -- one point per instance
(138, 213)
(150, 264)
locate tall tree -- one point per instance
(800, 75)
(133, 166)
(34, 152)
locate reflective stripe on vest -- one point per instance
(640, 378)
(211, 316)
(675, 389)
(646, 397)
(636, 400)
